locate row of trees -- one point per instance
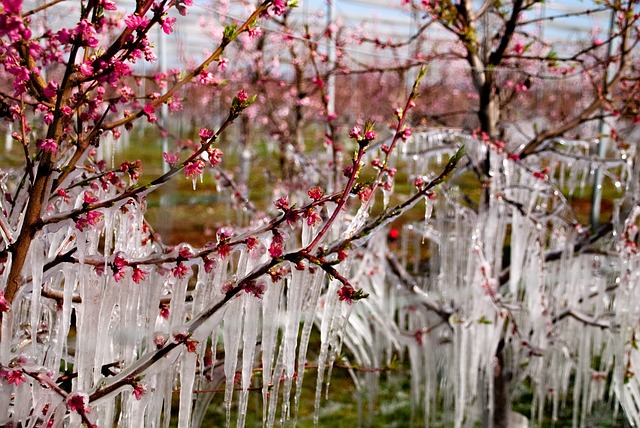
(501, 285)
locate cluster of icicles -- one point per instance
(520, 272)
(556, 311)
(81, 321)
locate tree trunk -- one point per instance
(501, 393)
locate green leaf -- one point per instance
(483, 320)
(230, 31)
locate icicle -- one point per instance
(36, 259)
(386, 195)
(91, 324)
(299, 283)
(270, 316)
(187, 378)
(308, 315)
(327, 320)
(231, 337)
(428, 210)
(278, 372)
(358, 221)
(250, 334)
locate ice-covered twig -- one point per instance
(584, 318)
(409, 283)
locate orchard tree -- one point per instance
(522, 290)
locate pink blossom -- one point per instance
(279, 7)
(224, 233)
(254, 287)
(277, 273)
(191, 345)
(418, 336)
(90, 219)
(223, 250)
(108, 5)
(254, 32)
(86, 68)
(12, 7)
(370, 135)
(149, 109)
(518, 48)
(205, 77)
(181, 270)
(118, 274)
(242, 96)
(276, 248)
(542, 174)
(135, 21)
(313, 218)
(215, 156)
(365, 194)
(89, 197)
(282, 203)
(255, 247)
(355, 132)
(76, 402)
(119, 261)
(167, 24)
(406, 133)
(185, 253)
(171, 158)
(63, 36)
(13, 376)
(139, 389)
(48, 145)
(346, 293)
(194, 169)
(251, 242)
(133, 169)
(186, 339)
(315, 193)
(50, 90)
(206, 133)
(139, 275)
(222, 64)
(209, 264)
(164, 313)
(4, 303)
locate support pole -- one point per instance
(596, 194)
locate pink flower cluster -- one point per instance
(91, 218)
(12, 376)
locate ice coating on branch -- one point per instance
(358, 221)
